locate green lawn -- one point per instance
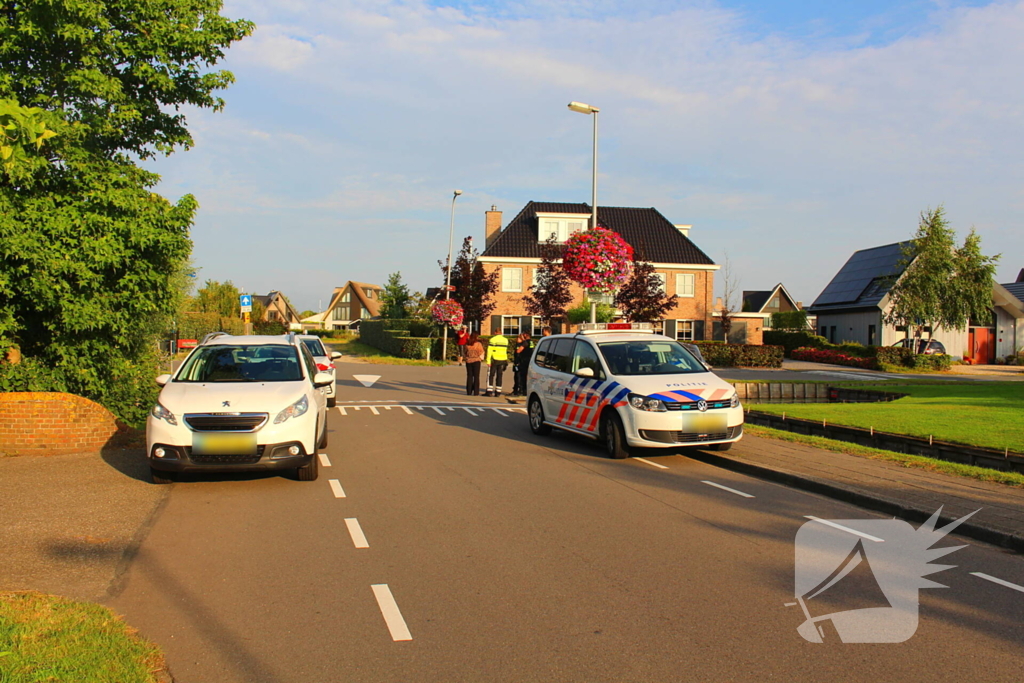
(986, 414)
(351, 346)
(50, 638)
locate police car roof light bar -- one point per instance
(595, 328)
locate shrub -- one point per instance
(194, 325)
(789, 320)
(581, 313)
(834, 357)
(937, 362)
(741, 355)
(894, 355)
(789, 340)
(269, 327)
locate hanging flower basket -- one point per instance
(598, 259)
(447, 312)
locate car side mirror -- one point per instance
(584, 372)
(335, 355)
(162, 380)
(322, 379)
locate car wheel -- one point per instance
(536, 413)
(309, 472)
(722, 446)
(614, 436)
(161, 477)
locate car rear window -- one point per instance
(315, 347)
(242, 363)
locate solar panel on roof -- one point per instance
(857, 275)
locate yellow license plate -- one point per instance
(224, 444)
(705, 423)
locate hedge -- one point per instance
(794, 340)
(722, 355)
(395, 337)
(197, 325)
(834, 357)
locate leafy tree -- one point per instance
(729, 308)
(474, 286)
(581, 313)
(90, 253)
(221, 298)
(306, 314)
(395, 299)
(643, 299)
(552, 294)
(941, 285)
(419, 306)
(789, 320)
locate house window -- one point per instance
(560, 231)
(684, 284)
(369, 293)
(510, 325)
(661, 279)
(364, 314)
(340, 313)
(684, 330)
(346, 297)
(774, 303)
(273, 316)
(537, 327)
(511, 280)
(533, 279)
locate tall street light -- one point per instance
(582, 108)
(448, 275)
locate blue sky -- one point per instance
(790, 134)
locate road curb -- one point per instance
(862, 499)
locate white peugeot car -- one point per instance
(324, 362)
(240, 403)
(629, 387)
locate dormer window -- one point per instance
(559, 227)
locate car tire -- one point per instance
(332, 401)
(536, 415)
(614, 436)
(722, 446)
(309, 472)
(161, 477)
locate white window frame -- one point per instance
(679, 328)
(507, 285)
(504, 325)
(681, 285)
(346, 297)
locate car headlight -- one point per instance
(653, 405)
(294, 410)
(735, 401)
(161, 413)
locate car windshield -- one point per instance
(242, 363)
(315, 347)
(649, 357)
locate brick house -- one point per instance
(277, 309)
(350, 303)
(515, 252)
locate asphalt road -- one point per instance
(495, 555)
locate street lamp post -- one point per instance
(448, 275)
(582, 108)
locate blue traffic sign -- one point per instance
(246, 302)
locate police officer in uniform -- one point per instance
(497, 361)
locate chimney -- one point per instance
(799, 305)
(685, 229)
(492, 226)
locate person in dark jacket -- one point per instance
(524, 351)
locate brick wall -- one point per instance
(37, 423)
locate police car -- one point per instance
(629, 387)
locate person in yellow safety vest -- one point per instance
(497, 361)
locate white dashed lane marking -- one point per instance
(846, 529)
(356, 532)
(998, 581)
(336, 488)
(392, 615)
(476, 410)
(726, 488)
(324, 460)
(658, 465)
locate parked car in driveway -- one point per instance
(324, 361)
(240, 403)
(928, 347)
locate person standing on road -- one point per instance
(524, 351)
(461, 337)
(474, 356)
(497, 361)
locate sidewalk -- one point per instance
(909, 493)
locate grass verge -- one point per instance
(351, 346)
(912, 461)
(50, 638)
(985, 414)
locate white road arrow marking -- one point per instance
(366, 380)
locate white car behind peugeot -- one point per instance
(240, 403)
